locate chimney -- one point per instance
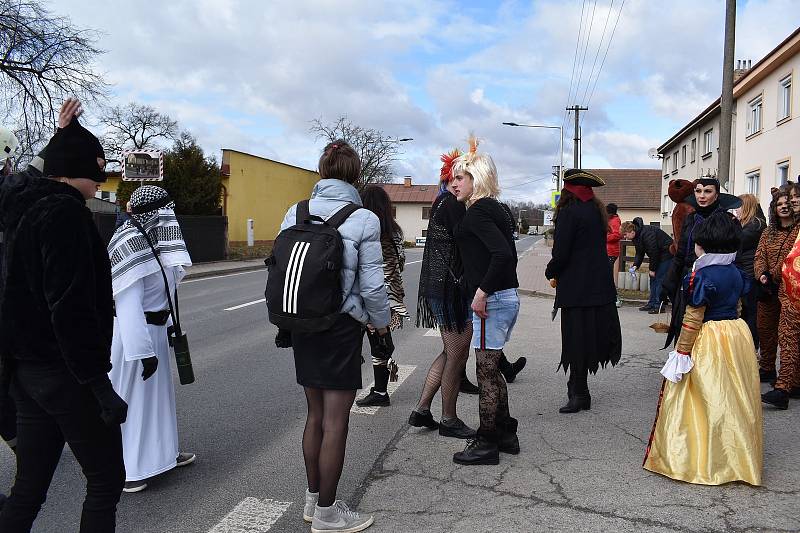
(407, 182)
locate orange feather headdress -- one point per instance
(447, 164)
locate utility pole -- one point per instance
(727, 96)
(577, 140)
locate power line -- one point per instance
(574, 61)
(613, 31)
(585, 49)
(597, 53)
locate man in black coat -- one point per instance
(653, 242)
(55, 333)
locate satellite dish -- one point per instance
(652, 153)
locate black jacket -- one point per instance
(485, 240)
(751, 233)
(55, 289)
(655, 243)
(580, 264)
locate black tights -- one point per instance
(493, 402)
(446, 371)
(325, 439)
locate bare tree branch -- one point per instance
(43, 60)
(135, 126)
(377, 152)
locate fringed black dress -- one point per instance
(441, 302)
(585, 293)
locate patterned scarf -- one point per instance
(131, 256)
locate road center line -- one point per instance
(252, 515)
(403, 371)
(248, 304)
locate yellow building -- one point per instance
(254, 188)
(260, 189)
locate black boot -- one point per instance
(482, 450)
(577, 392)
(467, 387)
(508, 443)
(767, 376)
(375, 399)
(776, 397)
(510, 370)
(420, 419)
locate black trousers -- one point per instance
(750, 312)
(53, 408)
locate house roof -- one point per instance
(414, 194)
(786, 49)
(630, 188)
(225, 168)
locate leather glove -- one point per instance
(113, 409)
(385, 345)
(283, 339)
(150, 365)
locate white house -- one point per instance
(412, 206)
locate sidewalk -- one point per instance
(580, 472)
(217, 268)
(530, 271)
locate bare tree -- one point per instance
(377, 151)
(43, 60)
(135, 126)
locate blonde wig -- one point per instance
(749, 208)
(482, 170)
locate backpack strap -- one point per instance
(341, 215)
(302, 213)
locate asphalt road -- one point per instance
(243, 417)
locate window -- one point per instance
(752, 179)
(675, 161)
(666, 166)
(708, 142)
(694, 150)
(782, 173)
(426, 213)
(754, 115)
(683, 156)
(667, 205)
(424, 233)
(785, 97)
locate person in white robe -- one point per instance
(141, 373)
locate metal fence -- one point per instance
(206, 236)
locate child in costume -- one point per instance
(708, 427)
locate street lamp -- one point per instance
(519, 219)
(404, 139)
(560, 146)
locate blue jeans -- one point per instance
(655, 283)
(493, 332)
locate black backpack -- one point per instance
(304, 287)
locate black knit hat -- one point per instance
(73, 153)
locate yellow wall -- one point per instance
(110, 185)
(263, 190)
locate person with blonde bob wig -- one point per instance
(486, 244)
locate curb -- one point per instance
(539, 294)
(214, 273)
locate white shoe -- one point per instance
(185, 459)
(339, 518)
(134, 486)
(311, 504)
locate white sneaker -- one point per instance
(311, 504)
(339, 518)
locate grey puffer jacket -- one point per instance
(363, 291)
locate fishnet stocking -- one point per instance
(446, 370)
(493, 403)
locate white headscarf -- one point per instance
(131, 255)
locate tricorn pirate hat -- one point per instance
(577, 176)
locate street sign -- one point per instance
(548, 218)
(143, 165)
(554, 197)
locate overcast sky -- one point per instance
(252, 74)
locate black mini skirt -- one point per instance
(330, 359)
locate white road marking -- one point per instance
(248, 304)
(209, 278)
(413, 262)
(433, 332)
(403, 372)
(252, 515)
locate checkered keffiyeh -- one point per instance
(131, 256)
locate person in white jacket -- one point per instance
(140, 352)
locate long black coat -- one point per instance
(580, 263)
(55, 290)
